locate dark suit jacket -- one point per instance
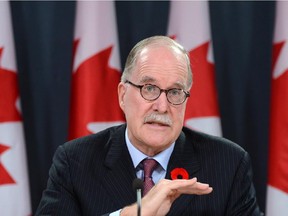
(93, 175)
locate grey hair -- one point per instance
(159, 41)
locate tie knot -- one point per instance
(149, 166)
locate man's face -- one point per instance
(166, 69)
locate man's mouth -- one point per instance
(158, 123)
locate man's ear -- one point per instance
(121, 94)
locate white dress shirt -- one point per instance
(137, 156)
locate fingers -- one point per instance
(160, 198)
(190, 186)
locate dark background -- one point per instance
(242, 34)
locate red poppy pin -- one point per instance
(179, 173)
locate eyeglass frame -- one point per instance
(140, 87)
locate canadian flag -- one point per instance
(96, 69)
(277, 191)
(14, 185)
(189, 24)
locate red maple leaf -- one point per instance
(5, 178)
(94, 96)
(8, 94)
(278, 149)
(8, 112)
(203, 100)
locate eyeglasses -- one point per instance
(151, 92)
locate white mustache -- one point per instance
(158, 118)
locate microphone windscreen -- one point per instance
(137, 184)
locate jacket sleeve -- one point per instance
(242, 198)
(59, 198)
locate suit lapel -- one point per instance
(183, 156)
(120, 172)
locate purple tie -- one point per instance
(149, 166)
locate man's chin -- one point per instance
(155, 147)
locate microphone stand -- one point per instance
(138, 185)
(138, 202)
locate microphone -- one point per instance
(137, 186)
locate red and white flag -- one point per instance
(189, 24)
(277, 191)
(96, 69)
(14, 185)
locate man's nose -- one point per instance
(161, 103)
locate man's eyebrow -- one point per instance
(147, 79)
(179, 85)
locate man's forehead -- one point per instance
(159, 54)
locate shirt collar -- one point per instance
(137, 156)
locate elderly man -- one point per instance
(93, 175)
